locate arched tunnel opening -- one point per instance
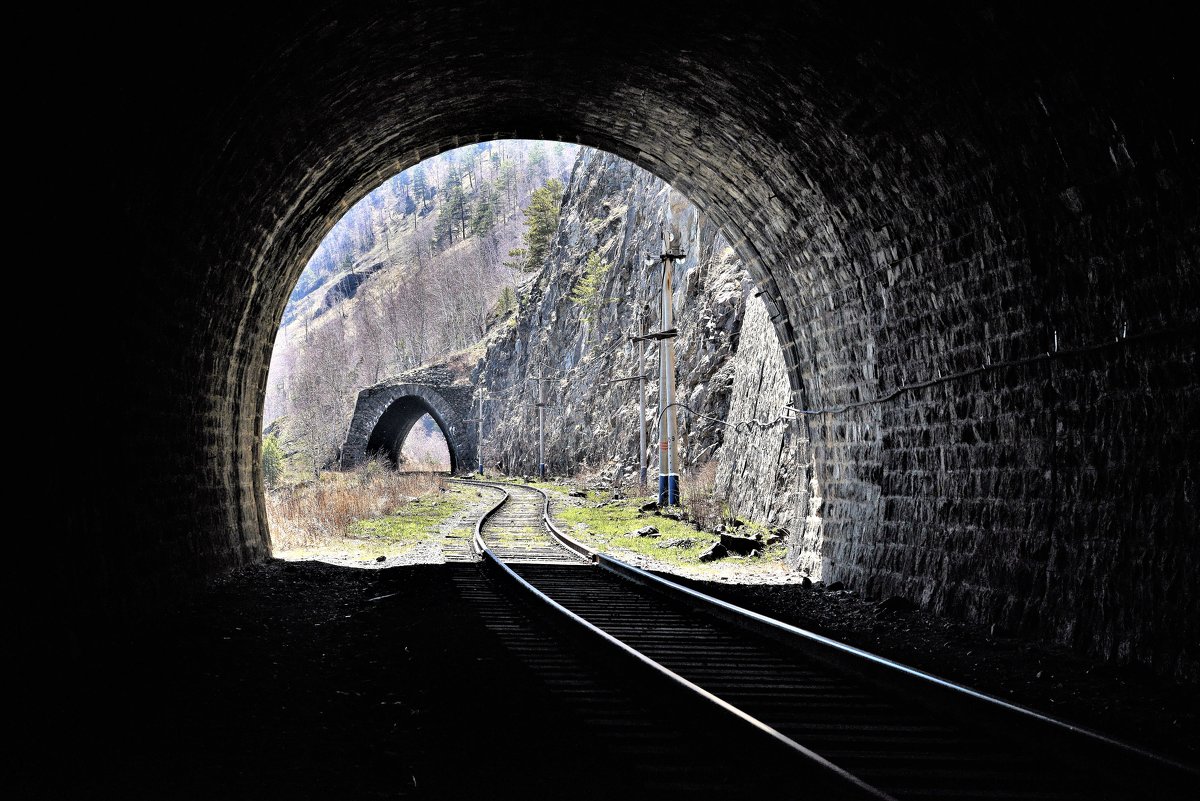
(392, 434)
(426, 448)
(976, 231)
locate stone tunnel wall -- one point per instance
(919, 193)
(1035, 475)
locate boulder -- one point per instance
(646, 531)
(896, 604)
(806, 583)
(577, 494)
(836, 586)
(742, 546)
(717, 551)
(777, 535)
(648, 507)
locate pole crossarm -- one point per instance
(626, 378)
(670, 333)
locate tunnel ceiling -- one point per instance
(917, 193)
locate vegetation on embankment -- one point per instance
(354, 505)
(411, 522)
(609, 521)
(610, 525)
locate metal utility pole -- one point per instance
(479, 442)
(668, 446)
(541, 407)
(641, 368)
(542, 428)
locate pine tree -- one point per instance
(470, 158)
(458, 200)
(506, 182)
(537, 159)
(456, 206)
(483, 216)
(421, 186)
(586, 292)
(507, 302)
(443, 227)
(541, 221)
(401, 189)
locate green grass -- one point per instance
(411, 523)
(549, 486)
(612, 527)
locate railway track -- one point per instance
(841, 721)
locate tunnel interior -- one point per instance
(976, 230)
(391, 432)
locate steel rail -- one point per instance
(876, 668)
(832, 771)
(1010, 721)
(841, 653)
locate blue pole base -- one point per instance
(542, 471)
(481, 470)
(668, 490)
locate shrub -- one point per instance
(272, 461)
(699, 498)
(587, 290)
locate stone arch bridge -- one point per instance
(386, 412)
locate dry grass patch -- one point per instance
(320, 512)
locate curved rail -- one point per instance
(835, 773)
(1010, 721)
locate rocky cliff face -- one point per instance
(764, 465)
(616, 212)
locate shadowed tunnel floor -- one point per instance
(304, 680)
(289, 681)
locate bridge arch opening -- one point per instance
(426, 448)
(391, 437)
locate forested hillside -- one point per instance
(409, 275)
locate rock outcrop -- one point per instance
(616, 212)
